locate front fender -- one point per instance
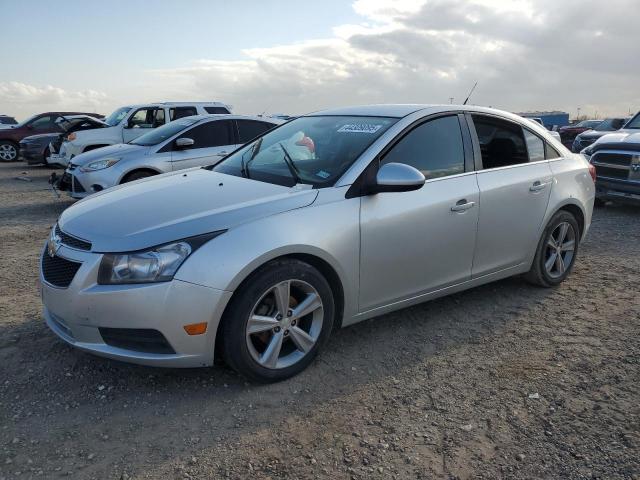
(329, 231)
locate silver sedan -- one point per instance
(324, 221)
(189, 142)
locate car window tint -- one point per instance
(250, 129)
(43, 123)
(535, 146)
(210, 134)
(217, 110)
(550, 152)
(434, 147)
(181, 112)
(147, 118)
(501, 142)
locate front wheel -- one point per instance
(277, 321)
(8, 151)
(556, 251)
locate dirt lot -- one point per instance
(503, 381)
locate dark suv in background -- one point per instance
(586, 138)
(568, 133)
(42, 123)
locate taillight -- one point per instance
(592, 172)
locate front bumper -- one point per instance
(626, 191)
(33, 155)
(76, 314)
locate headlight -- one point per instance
(100, 164)
(158, 264)
(72, 136)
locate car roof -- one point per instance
(177, 104)
(226, 116)
(402, 110)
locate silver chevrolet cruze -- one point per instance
(324, 221)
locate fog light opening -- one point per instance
(96, 188)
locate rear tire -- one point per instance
(286, 307)
(561, 238)
(598, 202)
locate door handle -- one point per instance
(462, 205)
(537, 186)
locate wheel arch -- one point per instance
(123, 177)
(316, 261)
(95, 146)
(574, 208)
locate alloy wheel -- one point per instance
(285, 324)
(8, 152)
(559, 251)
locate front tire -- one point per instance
(556, 252)
(8, 151)
(137, 176)
(277, 321)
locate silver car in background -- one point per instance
(189, 142)
(324, 221)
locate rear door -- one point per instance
(515, 182)
(212, 141)
(180, 112)
(417, 242)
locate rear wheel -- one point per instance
(277, 321)
(556, 251)
(8, 151)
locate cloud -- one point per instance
(524, 54)
(17, 97)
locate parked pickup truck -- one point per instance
(128, 123)
(616, 157)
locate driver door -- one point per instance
(420, 241)
(212, 141)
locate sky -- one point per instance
(286, 56)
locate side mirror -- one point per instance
(184, 142)
(397, 177)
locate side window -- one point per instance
(210, 134)
(250, 129)
(535, 146)
(147, 118)
(550, 152)
(501, 142)
(44, 123)
(434, 147)
(181, 112)
(218, 110)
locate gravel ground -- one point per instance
(502, 381)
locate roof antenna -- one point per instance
(469, 96)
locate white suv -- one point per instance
(128, 123)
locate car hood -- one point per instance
(174, 206)
(118, 150)
(40, 137)
(625, 137)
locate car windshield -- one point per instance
(634, 122)
(312, 150)
(116, 117)
(160, 134)
(609, 125)
(588, 123)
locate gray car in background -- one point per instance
(189, 142)
(324, 221)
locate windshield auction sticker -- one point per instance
(359, 128)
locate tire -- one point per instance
(137, 175)
(546, 272)
(8, 151)
(247, 352)
(45, 154)
(598, 202)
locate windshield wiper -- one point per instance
(244, 167)
(292, 166)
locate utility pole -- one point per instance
(450, 100)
